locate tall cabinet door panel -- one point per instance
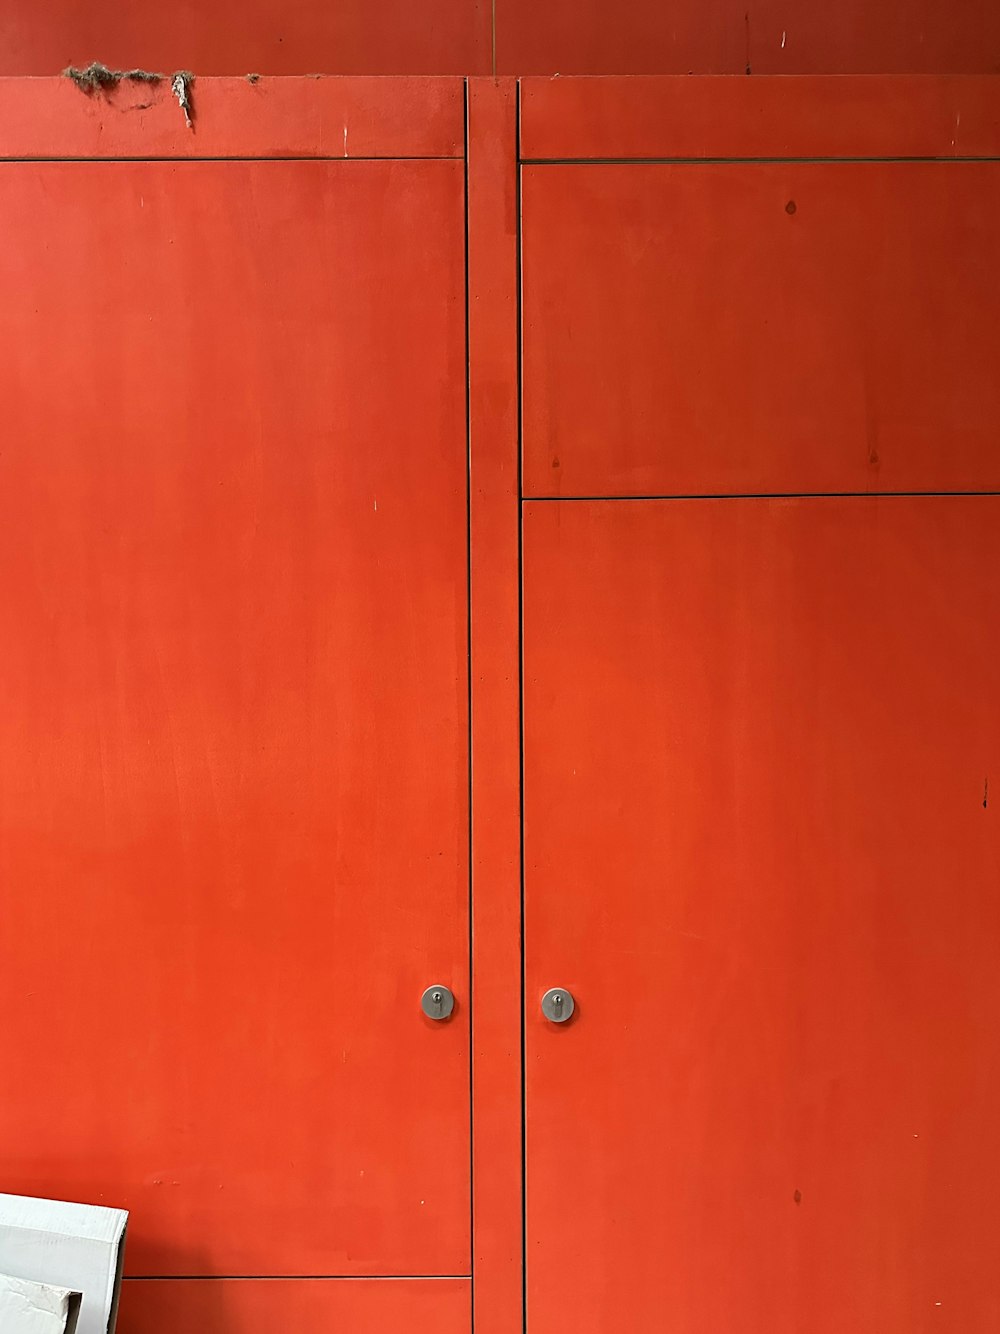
(233, 736)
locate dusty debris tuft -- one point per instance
(92, 77)
(180, 85)
(96, 77)
(253, 78)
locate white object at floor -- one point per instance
(37, 1308)
(76, 1246)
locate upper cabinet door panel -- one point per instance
(742, 328)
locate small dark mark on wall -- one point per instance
(797, 1197)
(791, 208)
(986, 794)
(253, 78)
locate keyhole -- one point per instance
(437, 1002)
(558, 1006)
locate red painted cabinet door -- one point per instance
(762, 852)
(233, 736)
(761, 707)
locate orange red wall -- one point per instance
(505, 36)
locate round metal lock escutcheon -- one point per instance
(558, 1005)
(437, 1002)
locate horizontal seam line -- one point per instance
(234, 157)
(766, 495)
(737, 161)
(294, 1278)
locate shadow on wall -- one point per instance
(507, 36)
(164, 1306)
(263, 1306)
